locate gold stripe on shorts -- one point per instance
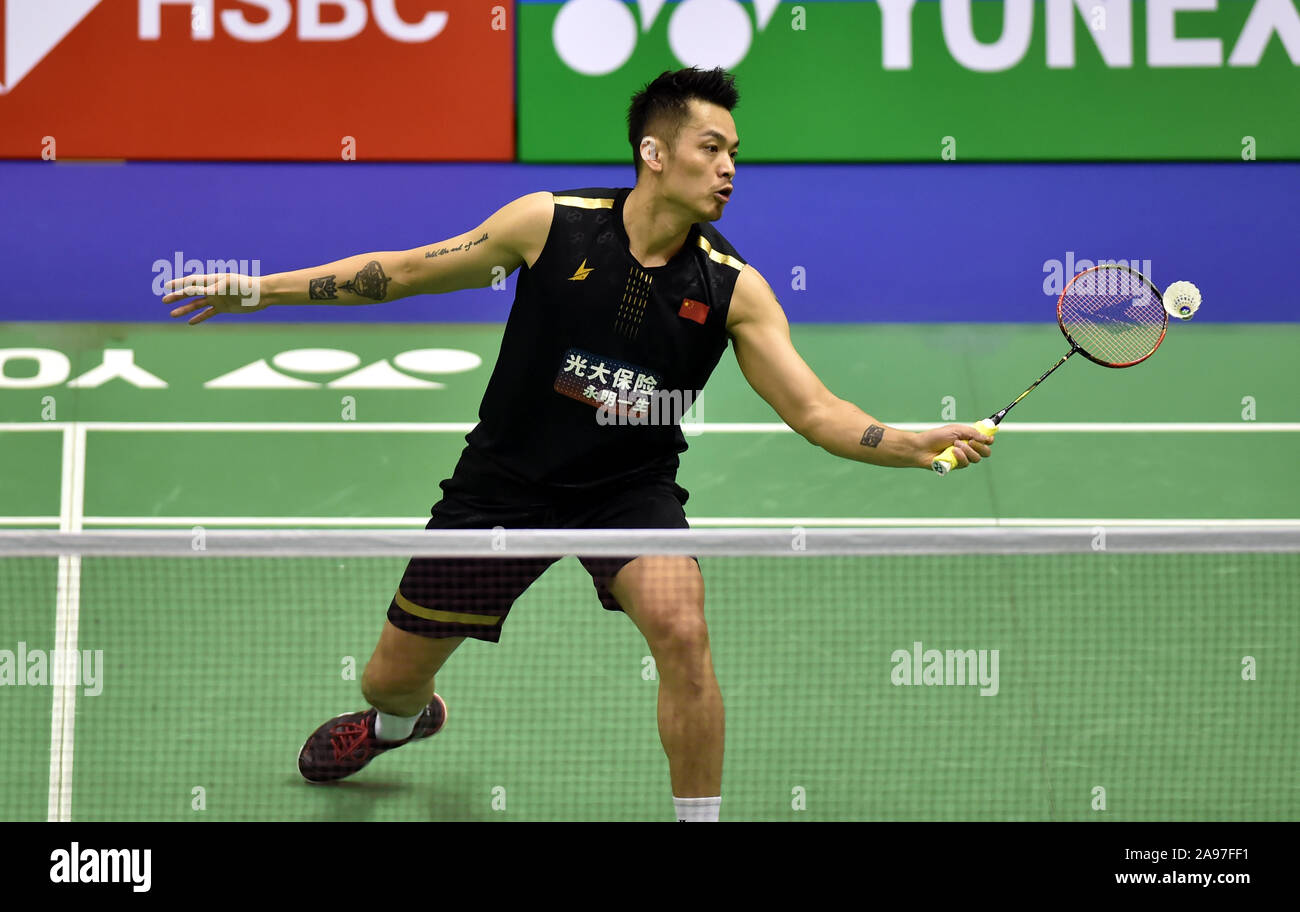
(443, 617)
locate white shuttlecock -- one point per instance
(1182, 300)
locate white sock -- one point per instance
(394, 728)
(697, 810)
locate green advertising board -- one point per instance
(973, 80)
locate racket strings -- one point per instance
(1113, 315)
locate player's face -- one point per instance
(703, 164)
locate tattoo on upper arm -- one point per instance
(872, 436)
(464, 245)
(322, 289)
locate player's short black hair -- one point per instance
(666, 99)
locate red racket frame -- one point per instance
(1060, 302)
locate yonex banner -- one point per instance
(928, 80)
(330, 80)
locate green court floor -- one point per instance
(1117, 672)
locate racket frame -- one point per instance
(1060, 320)
(1074, 345)
(996, 418)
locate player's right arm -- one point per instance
(511, 237)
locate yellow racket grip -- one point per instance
(948, 459)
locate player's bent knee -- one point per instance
(675, 632)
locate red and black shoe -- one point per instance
(346, 743)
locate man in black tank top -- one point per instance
(626, 299)
(594, 328)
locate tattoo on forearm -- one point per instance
(322, 289)
(465, 245)
(872, 436)
(370, 282)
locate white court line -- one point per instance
(29, 521)
(702, 427)
(72, 491)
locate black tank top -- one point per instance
(600, 356)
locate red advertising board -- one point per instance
(321, 80)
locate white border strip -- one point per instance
(72, 492)
(895, 522)
(791, 542)
(697, 522)
(701, 427)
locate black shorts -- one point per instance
(470, 597)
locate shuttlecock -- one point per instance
(1182, 300)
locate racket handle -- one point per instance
(948, 459)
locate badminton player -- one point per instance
(626, 299)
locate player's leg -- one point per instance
(398, 679)
(438, 604)
(664, 597)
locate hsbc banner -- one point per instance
(928, 80)
(328, 80)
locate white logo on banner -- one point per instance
(323, 361)
(32, 28)
(595, 37)
(54, 367)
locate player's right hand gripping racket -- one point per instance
(1110, 314)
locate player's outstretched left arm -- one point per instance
(511, 237)
(773, 367)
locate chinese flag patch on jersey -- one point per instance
(694, 310)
